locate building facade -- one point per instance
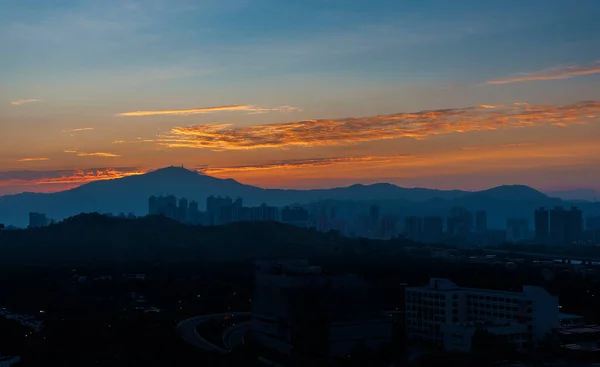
(430, 309)
(297, 310)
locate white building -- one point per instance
(298, 309)
(431, 308)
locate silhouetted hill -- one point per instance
(578, 194)
(510, 193)
(94, 238)
(130, 195)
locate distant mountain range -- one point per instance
(578, 194)
(130, 194)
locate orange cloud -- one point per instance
(202, 110)
(305, 163)
(49, 181)
(346, 131)
(32, 159)
(95, 154)
(551, 74)
(23, 101)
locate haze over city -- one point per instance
(313, 94)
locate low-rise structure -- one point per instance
(298, 309)
(431, 308)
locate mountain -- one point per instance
(510, 193)
(578, 194)
(130, 195)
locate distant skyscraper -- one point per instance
(481, 221)
(460, 222)
(374, 215)
(297, 216)
(574, 226)
(37, 220)
(182, 210)
(433, 229)
(517, 229)
(566, 226)
(542, 226)
(413, 227)
(388, 226)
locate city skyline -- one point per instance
(315, 95)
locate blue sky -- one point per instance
(87, 60)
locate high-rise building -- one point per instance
(389, 224)
(193, 215)
(517, 229)
(542, 226)
(182, 210)
(300, 311)
(433, 309)
(566, 226)
(433, 229)
(460, 222)
(413, 227)
(574, 226)
(214, 209)
(374, 215)
(481, 221)
(37, 220)
(297, 216)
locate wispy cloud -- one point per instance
(62, 179)
(352, 130)
(23, 101)
(78, 130)
(93, 154)
(304, 163)
(564, 72)
(32, 159)
(203, 110)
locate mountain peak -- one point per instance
(173, 171)
(514, 192)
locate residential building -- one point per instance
(542, 226)
(481, 221)
(517, 229)
(296, 215)
(413, 227)
(37, 220)
(374, 216)
(433, 229)
(460, 222)
(566, 226)
(299, 310)
(431, 308)
(389, 224)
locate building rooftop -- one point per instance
(440, 284)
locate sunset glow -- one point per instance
(429, 95)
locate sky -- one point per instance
(463, 94)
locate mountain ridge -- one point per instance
(131, 193)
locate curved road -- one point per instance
(187, 330)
